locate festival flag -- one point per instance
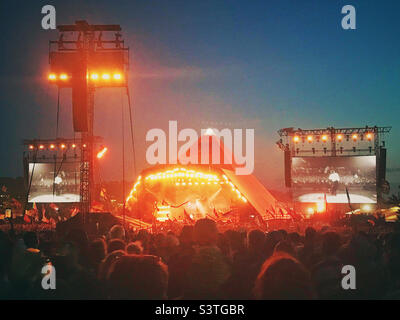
(44, 219)
(27, 219)
(187, 216)
(74, 211)
(34, 207)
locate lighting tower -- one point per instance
(85, 58)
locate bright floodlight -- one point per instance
(309, 138)
(63, 76)
(117, 76)
(339, 137)
(101, 153)
(209, 132)
(94, 76)
(354, 137)
(296, 138)
(52, 77)
(324, 138)
(105, 76)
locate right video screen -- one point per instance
(315, 179)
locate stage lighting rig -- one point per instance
(87, 57)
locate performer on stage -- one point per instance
(334, 178)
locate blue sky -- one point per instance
(240, 64)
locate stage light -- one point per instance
(105, 76)
(31, 147)
(369, 136)
(366, 208)
(52, 146)
(63, 76)
(101, 153)
(324, 138)
(310, 210)
(354, 137)
(63, 146)
(117, 76)
(41, 147)
(309, 138)
(84, 145)
(94, 76)
(321, 206)
(52, 77)
(296, 139)
(339, 137)
(73, 146)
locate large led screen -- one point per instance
(54, 182)
(316, 179)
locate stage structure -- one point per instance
(85, 58)
(335, 166)
(188, 192)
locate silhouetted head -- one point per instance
(205, 232)
(283, 277)
(116, 244)
(117, 232)
(141, 277)
(256, 240)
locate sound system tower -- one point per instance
(288, 168)
(80, 99)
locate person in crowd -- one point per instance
(115, 244)
(283, 277)
(139, 277)
(209, 268)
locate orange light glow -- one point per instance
(63, 76)
(63, 146)
(369, 136)
(117, 76)
(41, 147)
(31, 147)
(354, 136)
(52, 146)
(94, 76)
(324, 138)
(101, 153)
(52, 77)
(339, 137)
(296, 139)
(309, 138)
(310, 210)
(73, 146)
(84, 145)
(105, 76)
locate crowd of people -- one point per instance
(200, 262)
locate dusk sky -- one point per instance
(237, 64)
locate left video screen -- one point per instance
(54, 183)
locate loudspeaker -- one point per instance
(288, 168)
(381, 166)
(80, 98)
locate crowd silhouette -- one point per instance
(200, 262)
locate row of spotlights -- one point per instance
(339, 137)
(53, 146)
(93, 76)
